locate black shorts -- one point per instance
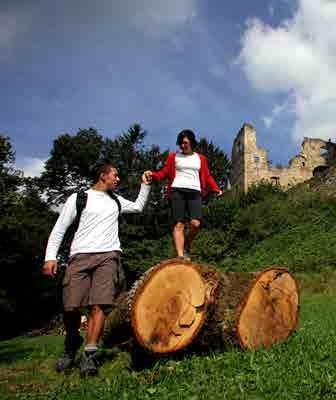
(186, 204)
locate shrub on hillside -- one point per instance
(220, 213)
(260, 191)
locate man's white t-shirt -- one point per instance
(98, 229)
(187, 171)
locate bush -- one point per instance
(260, 191)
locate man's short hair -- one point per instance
(100, 167)
(187, 133)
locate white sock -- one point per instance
(91, 347)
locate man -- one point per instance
(91, 279)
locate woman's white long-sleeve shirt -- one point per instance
(98, 229)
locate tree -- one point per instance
(25, 222)
(68, 168)
(219, 163)
(126, 152)
(10, 178)
(129, 154)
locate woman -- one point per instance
(189, 179)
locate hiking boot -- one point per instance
(88, 363)
(71, 346)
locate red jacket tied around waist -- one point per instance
(169, 171)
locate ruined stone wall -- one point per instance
(250, 163)
(237, 177)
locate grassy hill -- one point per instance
(301, 368)
(296, 229)
(264, 227)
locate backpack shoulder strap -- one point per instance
(81, 201)
(115, 198)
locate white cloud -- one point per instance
(297, 58)
(30, 166)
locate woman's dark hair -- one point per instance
(100, 167)
(186, 133)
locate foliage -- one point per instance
(260, 191)
(296, 229)
(68, 169)
(298, 232)
(219, 163)
(25, 224)
(284, 225)
(10, 178)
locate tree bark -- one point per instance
(177, 303)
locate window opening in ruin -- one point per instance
(318, 171)
(323, 152)
(275, 180)
(227, 183)
(256, 159)
(303, 164)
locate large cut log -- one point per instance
(178, 302)
(253, 310)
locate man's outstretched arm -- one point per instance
(138, 205)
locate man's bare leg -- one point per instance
(95, 325)
(89, 360)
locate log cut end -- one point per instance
(168, 307)
(269, 312)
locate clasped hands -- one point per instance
(147, 177)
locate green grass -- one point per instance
(304, 367)
(297, 230)
(302, 248)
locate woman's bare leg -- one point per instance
(178, 236)
(194, 227)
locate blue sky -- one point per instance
(205, 65)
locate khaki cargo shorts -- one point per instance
(92, 279)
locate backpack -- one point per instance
(81, 201)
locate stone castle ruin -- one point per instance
(250, 163)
